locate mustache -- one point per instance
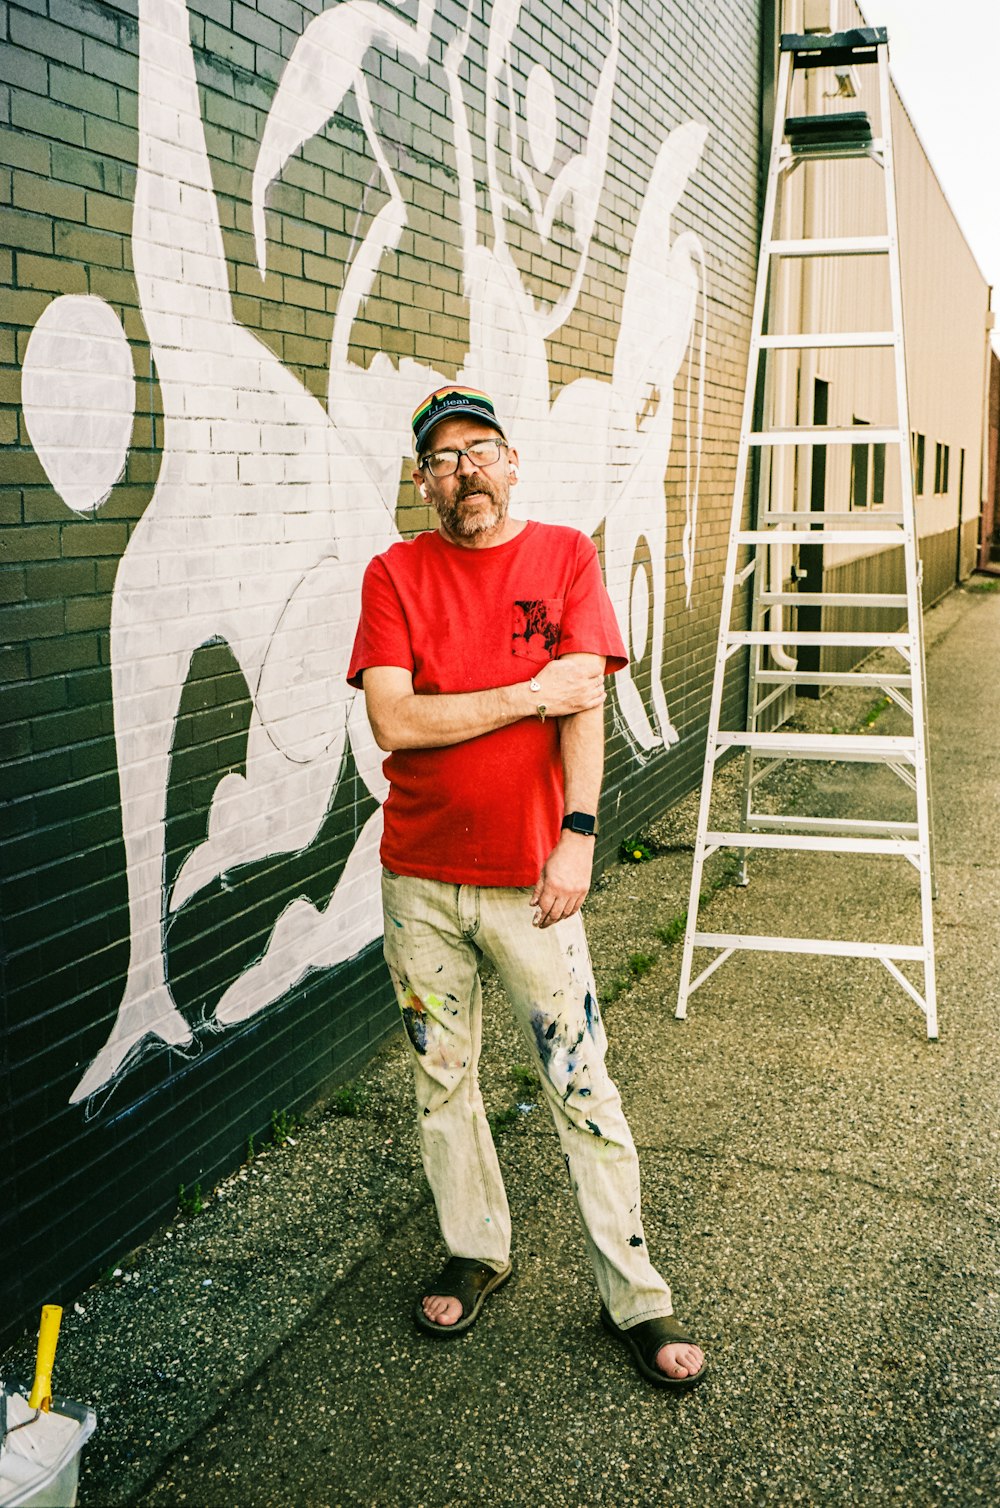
(470, 485)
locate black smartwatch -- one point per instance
(580, 822)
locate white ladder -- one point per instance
(831, 136)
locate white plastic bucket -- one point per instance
(40, 1464)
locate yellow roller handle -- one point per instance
(48, 1336)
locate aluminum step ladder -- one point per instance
(801, 531)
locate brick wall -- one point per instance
(243, 239)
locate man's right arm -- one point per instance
(402, 719)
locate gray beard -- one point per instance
(462, 524)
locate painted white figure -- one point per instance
(261, 523)
(600, 451)
(268, 508)
(78, 396)
(366, 405)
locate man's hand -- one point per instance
(565, 879)
(575, 684)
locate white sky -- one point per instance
(944, 62)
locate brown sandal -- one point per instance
(469, 1281)
(644, 1341)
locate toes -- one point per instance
(442, 1311)
(679, 1360)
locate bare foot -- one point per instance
(677, 1360)
(442, 1311)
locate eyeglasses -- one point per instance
(441, 463)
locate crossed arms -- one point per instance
(571, 688)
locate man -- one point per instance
(482, 650)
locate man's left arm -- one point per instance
(565, 879)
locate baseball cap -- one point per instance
(447, 402)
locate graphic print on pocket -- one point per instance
(537, 623)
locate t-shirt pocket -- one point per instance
(535, 628)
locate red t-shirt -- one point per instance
(487, 811)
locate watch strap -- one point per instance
(584, 823)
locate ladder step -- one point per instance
(828, 49)
(816, 843)
(831, 246)
(832, 599)
(820, 637)
(829, 341)
(846, 747)
(831, 678)
(861, 434)
(900, 952)
(775, 822)
(840, 128)
(824, 153)
(820, 537)
(820, 516)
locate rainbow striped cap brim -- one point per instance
(445, 403)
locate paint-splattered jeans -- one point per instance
(434, 935)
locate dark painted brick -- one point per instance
(33, 621)
(49, 273)
(18, 150)
(225, 44)
(89, 246)
(25, 70)
(34, 699)
(29, 543)
(83, 92)
(47, 38)
(10, 387)
(93, 538)
(249, 23)
(219, 11)
(25, 231)
(40, 772)
(31, 113)
(12, 584)
(88, 688)
(107, 62)
(56, 656)
(86, 612)
(62, 729)
(289, 13)
(75, 165)
(107, 213)
(110, 139)
(15, 741)
(91, 19)
(42, 196)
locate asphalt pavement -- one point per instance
(819, 1186)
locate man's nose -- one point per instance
(465, 458)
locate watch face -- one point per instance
(580, 822)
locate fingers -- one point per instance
(552, 906)
(571, 687)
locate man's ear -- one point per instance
(418, 482)
(513, 467)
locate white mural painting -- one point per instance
(78, 395)
(268, 506)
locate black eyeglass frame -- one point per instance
(425, 461)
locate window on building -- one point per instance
(878, 474)
(942, 459)
(917, 447)
(867, 473)
(860, 471)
